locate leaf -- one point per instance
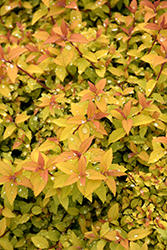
(85, 144)
(127, 125)
(116, 135)
(22, 118)
(111, 184)
(82, 64)
(104, 229)
(6, 212)
(77, 38)
(65, 57)
(9, 130)
(47, 145)
(2, 226)
(152, 26)
(141, 120)
(163, 233)
(46, 2)
(90, 56)
(91, 186)
(137, 234)
(34, 69)
(5, 91)
(61, 72)
(5, 169)
(94, 175)
(161, 139)
(164, 71)
(11, 191)
(113, 212)
(12, 71)
(42, 35)
(40, 241)
(101, 192)
(37, 15)
(107, 159)
(159, 60)
(156, 155)
(38, 183)
(16, 52)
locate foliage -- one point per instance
(83, 124)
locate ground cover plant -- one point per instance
(83, 124)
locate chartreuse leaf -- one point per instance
(141, 120)
(22, 117)
(5, 91)
(101, 192)
(157, 154)
(40, 241)
(116, 135)
(137, 234)
(150, 85)
(6, 212)
(135, 246)
(82, 64)
(5, 244)
(101, 244)
(61, 72)
(38, 14)
(163, 233)
(9, 130)
(113, 212)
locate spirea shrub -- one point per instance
(83, 124)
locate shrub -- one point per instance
(83, 124)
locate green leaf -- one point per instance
(113, 212)
(150, 85)
(101, 192)
(36, 210)
(40, 241)
(163, 233)
(4, 242)
(82, 64)
(116, 135)
(2, 226)
(60, 72)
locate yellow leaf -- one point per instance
(42, 35)
(37, 15)
(101, 71)
(22, 118)
(101, 53)
(116, 71)
(46, 2)
(27, 5)
(149, 58)
(134, 246)
(84, 132)
(104, 229)
(141, 120)
(16, 52)
(91, 186)
(2, 226)
(107, 158)
(82, 64)
(67, 131)
(137, 234)
(6, 212)
(34, 69)
(9, 130)
(113, 212)
(11, 192)
(164, 71)
(38, 183)
(65, 57)
(116, 135)
(61, 72)
(40, 241)
(156, 155)
(90, 56)
(5, 91)
(12, 72)
(150, 85)
(47, 145)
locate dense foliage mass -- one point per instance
(83, 122)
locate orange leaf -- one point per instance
(16, 52)
(148, 4)
(127, 125)
(159, 60)
(44, 175)
(125, 244)
(72, 179)
(63, 28)
(133, 147)
(152, 26)
(101, 84)
(111, 184)
(85, 144)
(91, 109)
(16, 144)
(12, 72)
(94, 175)
(101, 103)
(161, 139)
(42, 35)
(38, 183)
(78, 119)
(24, 181)
(21, 118)
(107, 159)
(142, 99)
(77, 38)
(148, 16)
(127, 108)
(82, 164)
(72, 5)
(41, 161)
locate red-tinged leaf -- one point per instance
(64, 28)
(115, 172)
(94, 175)
(161, 139)
(100, 115)
(77, 38)
(127, 108)
(148, 16)
(4, 179)
(21, 118)
(11, 191)
(82, 164)
(42, 35)
(143, 156)
(127, 125)
(71, 180)
(125, 30)
(72, 5)
(44, 175)
(111, 235)
(87, 96)
(152, 26)
(125, 244)
(53, 39)
(133, 6)
(41, 161)
(99, 32)
(91, 109)
(107, 159)
(111, 184)
(16, 144)
(78, 119)
(92, 87)
(163, 5)
(42, 58)
(1, 53)
(159, 60)
(16, 52)
(85, 145)
(148, 4)
(5, 169)
(24, 181)
(30, 166)
(82, 180)
(97, 124)
(142, 99)
(12, 71)
(101, 84)
(38, 183)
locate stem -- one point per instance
(160, 71)
(109, 6)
